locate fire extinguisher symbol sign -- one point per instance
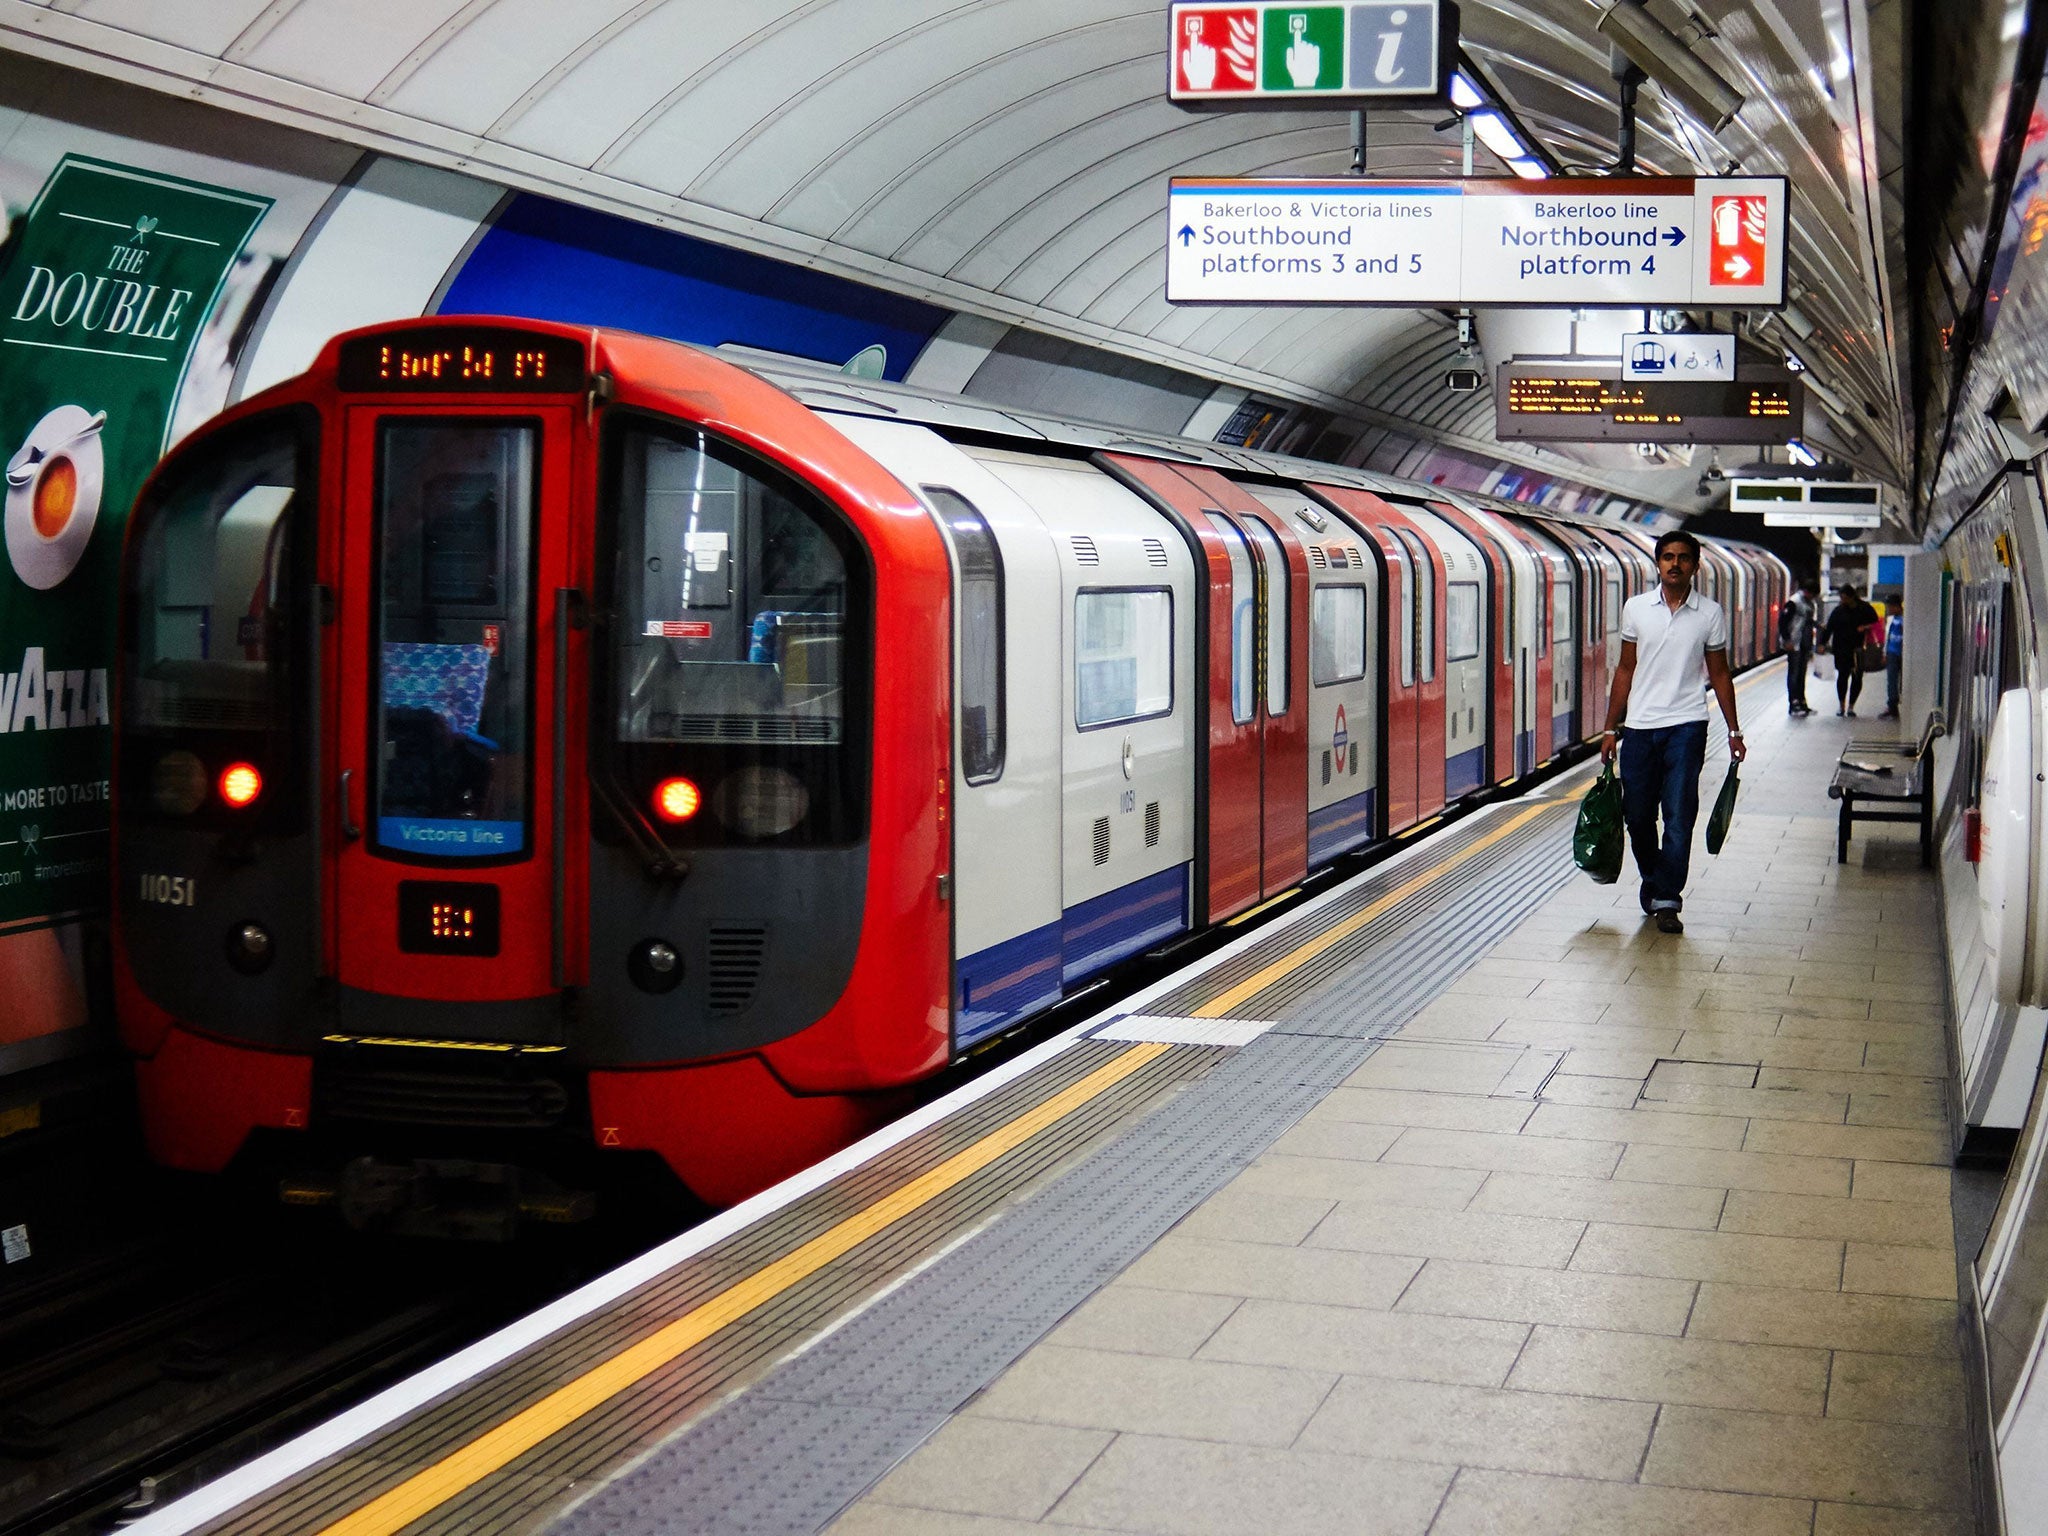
(1737, 227)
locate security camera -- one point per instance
(1662, 55)
(1463, 381)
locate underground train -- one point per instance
(537, 746)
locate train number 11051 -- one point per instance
(170, 890)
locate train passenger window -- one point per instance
(1276, 586)
(1425, 587)
(981, 635)
(1123, 656)
(1336, 635)
(1402, 571)
(1561, 610)
(455, 509)
(1461, 621)
(1244, 623)
(207, 675)
(1613, 614)
(736, 647)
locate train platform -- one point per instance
(1458, 1200)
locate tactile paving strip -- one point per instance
(788, 1455)
(638, 1417)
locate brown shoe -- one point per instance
(1668, 921)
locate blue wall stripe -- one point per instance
(1337, 827)
(1461, 773)
(549, 261)
(1005, 982)
(1120, 923)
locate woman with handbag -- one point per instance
(1843, 635)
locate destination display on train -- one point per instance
(457, 360)
(1634, 241)
(1566, 400)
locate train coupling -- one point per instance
(440, 1197)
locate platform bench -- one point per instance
(1888, 781)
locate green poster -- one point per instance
(101, 300)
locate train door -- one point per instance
(1529, 607)
(1504, 706)
(1431, 600)
(1465, 658)
(448, 726)
(1561, 641)
(1341, 698)
(1283, 642)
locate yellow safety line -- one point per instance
(1220, 1007)
(427, 1490)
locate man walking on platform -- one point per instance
(1674, 644)
(1797, 621)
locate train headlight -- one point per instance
(240, 784)
(761, 801)
(250, 948)
(655, 966)
(677, 799)
(177, 784)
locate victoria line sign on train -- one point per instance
(1659, 241)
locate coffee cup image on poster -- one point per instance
(102, 295)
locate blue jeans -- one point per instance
(1660, 773)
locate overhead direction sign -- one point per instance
(1823, 517)
(1568, 400)
(1807, 502)
(1260, 54)
(1606, 242)
(1677, 355)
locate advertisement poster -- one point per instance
(107, 284)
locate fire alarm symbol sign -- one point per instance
(1736, 238)
(1216, 50)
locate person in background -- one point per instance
(1674, 645)
(1843, 635)
(1796, 626)
(1894, 640)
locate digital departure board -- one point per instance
(1565, 400)
(447, 917)
(457, 360)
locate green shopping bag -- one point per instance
(1724, 812)
(1597, 840)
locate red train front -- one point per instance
(496, 776)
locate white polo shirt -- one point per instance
(1671, 656)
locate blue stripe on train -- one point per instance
(1560, 732)
(1120, 923)
(1337, 827)
(1005, 982)
(1525, 751)
(1461, 773)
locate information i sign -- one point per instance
(1664, 242)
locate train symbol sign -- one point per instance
(1684, 355)
(1736, 230)
(1215, 49)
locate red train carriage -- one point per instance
(537, 747)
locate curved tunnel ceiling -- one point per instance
(1010, 157)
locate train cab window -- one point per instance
(981, 634)
(1461, 621)
(1123, 656)
(1277, 586)
(207, 676)
(1244, 623)
(737, 645)
(1336, 635)
(455, 510)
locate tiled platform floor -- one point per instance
(1701, 1281)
